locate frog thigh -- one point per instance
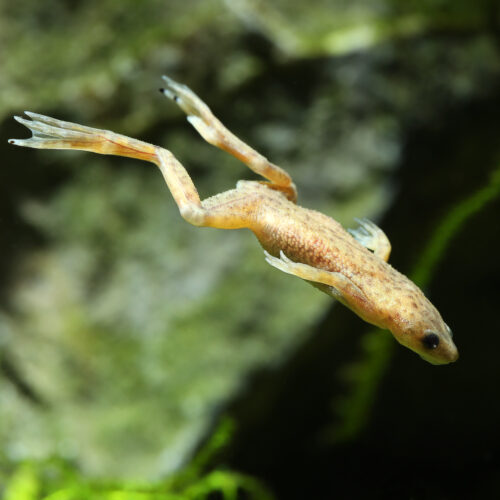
(372, 237)
(341, 287)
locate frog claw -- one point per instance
(49, 133)
(187, 100)
(278, 262)
(283, 263)
(284, 258)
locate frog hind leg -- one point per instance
(214, 132)
(229, 210)
(372, 237)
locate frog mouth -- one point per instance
(443, 359)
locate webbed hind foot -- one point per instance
(50, 133)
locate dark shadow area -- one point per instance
(422, 442)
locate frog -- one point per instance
(350, 265)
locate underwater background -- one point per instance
(143, 358)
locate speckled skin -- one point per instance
(389, 299)
(296, 240)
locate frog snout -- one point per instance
(452, 353)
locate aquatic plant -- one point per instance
(58, 479)
(365, 375)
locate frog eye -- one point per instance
(430, 341)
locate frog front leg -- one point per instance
(339, 286)
(372, 237)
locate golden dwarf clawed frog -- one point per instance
(350, 266)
